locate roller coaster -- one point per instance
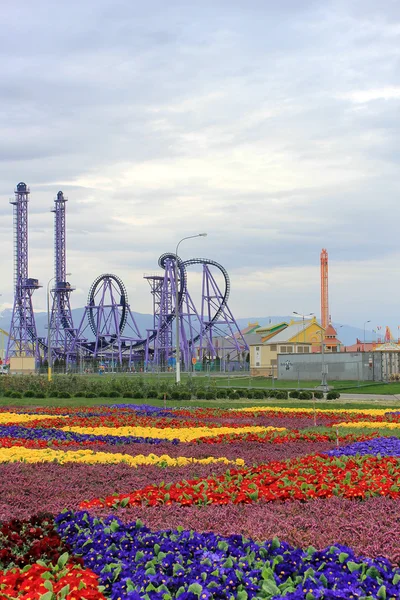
(108, 331)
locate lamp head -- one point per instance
(202, 235)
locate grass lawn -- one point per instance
(220, 403)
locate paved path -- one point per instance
(392, 399)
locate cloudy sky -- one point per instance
(272, 126)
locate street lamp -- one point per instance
(49, 362)
(324, 370)
(364, 333)
(303, 317)
(177, 353)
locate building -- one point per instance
(331, 343)
(290, 340)
(360, 346)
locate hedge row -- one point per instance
(182, 394)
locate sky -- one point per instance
(272, 126)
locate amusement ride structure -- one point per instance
(108, 331)
(23, 339)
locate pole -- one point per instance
(364, 334)
(324, 383)
(177, 324)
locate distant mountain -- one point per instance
(346, 333)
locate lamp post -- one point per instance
(364, 333)
(177, 352)
(324, 374)
(49, 361)
(303, 317)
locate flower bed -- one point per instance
(291, 472)
(314, 476)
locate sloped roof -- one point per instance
(330, 331)
(251, 328)
(269, 328)
(287, 334)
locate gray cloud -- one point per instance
(265, 124)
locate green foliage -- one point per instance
(281, 395)
(90, 395)
(112, 394)
(294, 394)
(29, 394)
(319, 395)
(333, 395)
(305, 395)
(221, 393)
(256, 394)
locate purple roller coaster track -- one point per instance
(108, 331)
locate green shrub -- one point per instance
(15, 395)
(53, 394)
(210, 396)
(281, 395)
(294, 394)
(175, 395)
(91, 395)
(112, 394)
(137, 394)
(258, 394)
(318, 395)
(127, 395)
(40, 394)
(234, 395)
(221, 393)
(79, 395)
(305, 395)
(185, 396)
(151, 393)
(161, 396)
(7, 393)
(332, 395)
(29, 394)
(64, 395)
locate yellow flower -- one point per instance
(284, 409)
(16, 418)
(185, 434)
(89, 457)
(369, 424)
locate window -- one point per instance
(283, 348)
(290, 349)
(257, 364)
(257, 348)
(274, 348)
(306, 349)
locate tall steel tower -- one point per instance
(61, 329)
(23, 336)
(324, 289)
